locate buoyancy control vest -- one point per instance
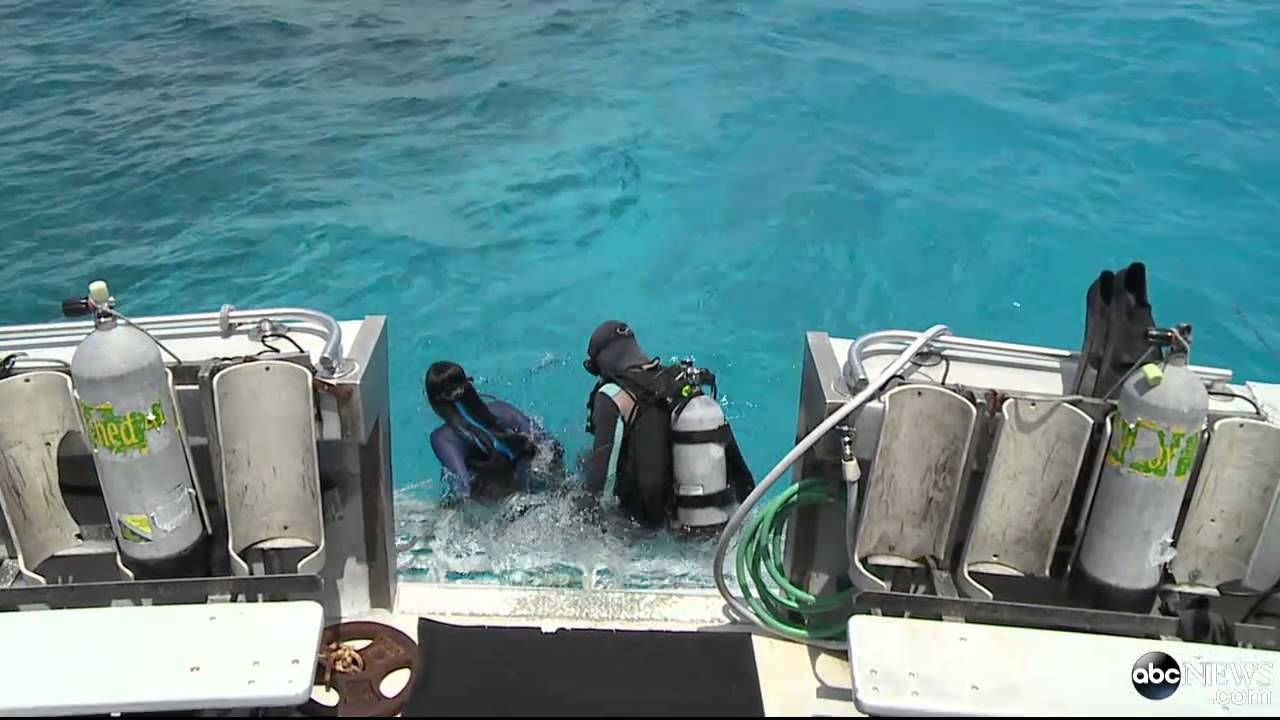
(670, 455)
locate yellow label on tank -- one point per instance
(122, 433)
(1175, 447)
(135, 528)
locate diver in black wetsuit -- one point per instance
(630, 413)
(485, 449)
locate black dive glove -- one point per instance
(520, 444)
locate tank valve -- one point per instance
(99, 297)
(1177, 338)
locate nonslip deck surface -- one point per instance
(487, 671)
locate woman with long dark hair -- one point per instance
(484, 449)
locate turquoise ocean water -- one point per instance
(498, 177)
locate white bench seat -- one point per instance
(159, 657)
(904, 666)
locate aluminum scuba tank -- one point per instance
(140, 455)
(1155, 440)
(698, 435)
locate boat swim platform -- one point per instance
(794, 680)
(898, 666)
(358, 580)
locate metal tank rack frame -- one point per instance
(962, 386)
(348, 366)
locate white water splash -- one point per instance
(543, 540)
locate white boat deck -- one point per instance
(194, 656)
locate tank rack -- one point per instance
(976, 469)
(285, 417)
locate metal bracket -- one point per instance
(1046, 617)
(945, 587)
(266, 327)
(204, 381)
(200, 590)
(225, 326)
(8, 572)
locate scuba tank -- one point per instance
(126, 403)
(699, 434)
(1155, 439)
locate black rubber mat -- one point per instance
(496, 671)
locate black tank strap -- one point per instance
(591, 398)
(720, 435)
(718, 499)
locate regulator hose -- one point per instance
(745, 609)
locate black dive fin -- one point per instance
(1096, 322)
(1129, 318)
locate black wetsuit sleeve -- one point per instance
(604, 415)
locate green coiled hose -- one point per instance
(760, 554)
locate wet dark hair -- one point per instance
(448, 386)
(446, 381)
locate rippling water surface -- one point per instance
(498, 177)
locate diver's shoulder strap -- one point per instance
(611, 391)
(626, 405)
